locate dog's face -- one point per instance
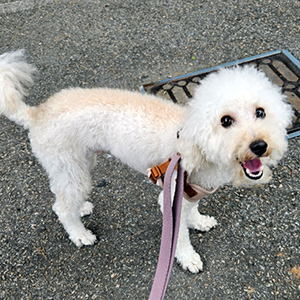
(238, 120)
(253, 138)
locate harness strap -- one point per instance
(192, 192)
(158, 171)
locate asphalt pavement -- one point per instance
(254, 251)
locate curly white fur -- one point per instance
(68, 130)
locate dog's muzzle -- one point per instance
(253, 168)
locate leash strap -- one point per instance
(170, 229)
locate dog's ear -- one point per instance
(198, 124)
(194, 138)
(192, 155)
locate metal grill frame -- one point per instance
(266, 59)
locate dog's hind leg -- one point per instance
(69, 215)
(87, 207)
(71, 184)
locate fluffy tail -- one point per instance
(15, 76)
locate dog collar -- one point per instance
(192, 192)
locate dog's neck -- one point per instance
(200, 171)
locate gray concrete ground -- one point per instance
(252, 254)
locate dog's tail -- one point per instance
(15, 76)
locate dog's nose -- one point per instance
(259, 147)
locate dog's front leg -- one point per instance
(185, 253)
(197, 221)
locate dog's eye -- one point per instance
(226, 121)
(260, 113)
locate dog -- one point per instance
(232, 131)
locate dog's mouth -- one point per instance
(253, 168)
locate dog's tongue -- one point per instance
(253, 165)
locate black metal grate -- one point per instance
(280, 66)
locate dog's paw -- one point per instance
(201, 222)
(86, 209)
(84, 238)
(191, 262)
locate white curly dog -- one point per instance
(231, 132)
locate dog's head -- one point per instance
(238, 121)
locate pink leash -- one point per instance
(170, 228)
